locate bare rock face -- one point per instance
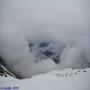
(1, 61)
(3, 69)
(47, 49)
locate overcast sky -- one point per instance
(63, 20)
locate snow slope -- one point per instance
(27, 25)
(68, 79)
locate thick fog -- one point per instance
(38, 36)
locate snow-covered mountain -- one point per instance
(38, 36)
(68, 79)
(47, 55)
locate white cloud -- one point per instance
(25, 21)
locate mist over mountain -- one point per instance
(40, 36)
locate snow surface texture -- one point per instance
(40, 36)
(68, 79)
